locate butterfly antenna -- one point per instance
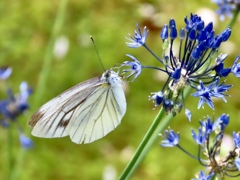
(97, 52)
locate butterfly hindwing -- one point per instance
(100, 114)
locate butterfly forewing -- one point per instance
(86, 112)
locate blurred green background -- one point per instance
(25, 43)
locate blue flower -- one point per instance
(219, 89)
(164, 32)
(236, 67)
(188, 114)
(135, 67)
(22, 100)
(221, 122)
(207, 125)
(204, 131)
(201, 137)
(25, 141)
(213, 90)
(237, 163)
(5, 73)
(220, 70)
(157, 97)
(193, 65)
(202, 176)
(12, 107)
(205, 95)
(171, 138)
(236, 139)
(138, 39)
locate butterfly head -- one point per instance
(111, 77)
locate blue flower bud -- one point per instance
(182, 34)
(216, 42)
(164, 32)
(226, 34)
(192, 34)
(196, 53)
(176, 74)
(172, 23)
(173, 32)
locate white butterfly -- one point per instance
(86, 112)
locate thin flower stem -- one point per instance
(186, 152)
(10, 152)
(148, 141)
(234, 18)
(153, 67)
(144, 45)
(43, 77)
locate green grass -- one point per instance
(26, 40)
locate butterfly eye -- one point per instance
(107, 74)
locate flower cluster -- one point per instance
(226, 7)
(14, 106)
(197, 63)
(209, 139)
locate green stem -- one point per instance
(41, 86)
(136, 160)
(234, 18)
(47, 60)
(10, 152)
(148, 140)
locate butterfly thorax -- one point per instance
(111, 77)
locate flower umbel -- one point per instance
(209, 139)
(196, 64)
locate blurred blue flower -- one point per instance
(225, 8)
(5, 72)
(14, 106)
(26, 142)
(171, 138)
(193, 65)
